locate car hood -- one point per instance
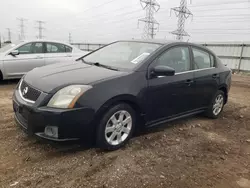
(50, 77)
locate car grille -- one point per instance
(29, 93)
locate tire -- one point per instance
(211, 111)
(111, 133)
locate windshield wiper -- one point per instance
(105, 66)
(86, 62)
(100, 65)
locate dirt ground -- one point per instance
(193, 152)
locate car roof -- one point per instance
(153, 41)
(45, 40)
(167, 42)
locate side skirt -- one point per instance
(152, 124)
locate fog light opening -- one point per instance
(51, 131)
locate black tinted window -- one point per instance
(177, 58)
(201, 59)
(55, 48)
(31, 48)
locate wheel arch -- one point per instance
(224, 89)
(124, 98)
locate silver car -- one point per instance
(16, 59)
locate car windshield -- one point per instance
(8, 46)
(124, 55)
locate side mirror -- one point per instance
(14, 52)
(163, 71)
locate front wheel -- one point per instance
(217, 105)
(116, 127)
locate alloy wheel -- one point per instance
(118, 127)
(218, 104)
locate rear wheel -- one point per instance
(217, 105)
(116, 127)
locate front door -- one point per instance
(171, 95)
(30, 56)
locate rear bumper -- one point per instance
(72, 124)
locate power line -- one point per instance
(182, 12)
(9, 34)
(22, 33)
(219, 4)
(151, 6)
(100, 5)
(90, 22)
(40, 29)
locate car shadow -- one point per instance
(166, 126)
(72, 147)
(9, 82)
(54, 149)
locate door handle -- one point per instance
(215, 76)
(189, 82)
(39, 57)
(69, 55)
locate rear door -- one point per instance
(31, 55)
(171, 95)
(206, 76)
(57, 53)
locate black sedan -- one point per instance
(114, 90)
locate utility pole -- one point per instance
(9, 34)
(70, 38)
(22, 33)
(40, 29)
(182, 12)
(151, 6)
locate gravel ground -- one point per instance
(193, 152)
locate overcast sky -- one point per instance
(101, 21)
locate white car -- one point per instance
(16, 59)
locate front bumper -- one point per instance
(72, 124)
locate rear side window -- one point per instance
(57, 48)
(68, 49)
(202, 59)
(177, 58)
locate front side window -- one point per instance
(177, 58)
(202, 59)
(122, 54)
(31, 48)
(55, 48)
(25, 49)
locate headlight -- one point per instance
(67, 97)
